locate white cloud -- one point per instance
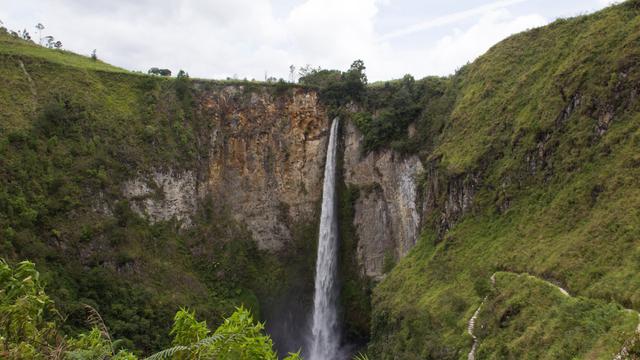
(454, 50)
(451, 51)
(219, 38)
(332, 32)
(450, 18)
(607, 2)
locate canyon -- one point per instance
(266, 161)
(139, 195)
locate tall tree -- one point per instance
(25, 35)
(292, 73)
(49, 41)
(40, 27)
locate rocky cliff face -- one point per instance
(446, 198)
(387, 212)
(265, 163)
(162, 196)
(265, 156)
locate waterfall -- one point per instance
(325, 330)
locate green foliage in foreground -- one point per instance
(25, 311)
(239, 337)
(30, 329)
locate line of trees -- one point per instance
(47, 41)
(160, 72)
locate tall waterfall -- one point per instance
(325, 330)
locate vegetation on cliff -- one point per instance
(30, 328)
(532, 158)
(72, 131)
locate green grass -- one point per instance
(525, 318)
(10, 45)
(573, 220)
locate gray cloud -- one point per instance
(219, 38)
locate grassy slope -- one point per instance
(10, 45)
(71, 131)
(526, 318)
(575, 221)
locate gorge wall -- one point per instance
(388, 210)
(262, 163)
(265, 161)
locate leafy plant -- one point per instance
(361, 356)
(239, 337)
(94, 345)
(26, 312)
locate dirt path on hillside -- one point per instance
(622, 355)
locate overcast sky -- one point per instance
(246, 38)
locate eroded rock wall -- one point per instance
(163, 195)
(387, 212)
(264, 163)
(446, 198)
(264, 159)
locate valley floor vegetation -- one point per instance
(30, 329)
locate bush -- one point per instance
(28, 329)
(337, 88)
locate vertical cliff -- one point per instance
(387, 212)
(262, 161)
(266, 158)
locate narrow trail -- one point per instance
(624, 352)
(470, 327)
(622, 355)
(32, 86)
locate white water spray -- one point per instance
(326, 330)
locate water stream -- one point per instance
(325, 341)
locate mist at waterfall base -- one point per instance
(294, 322)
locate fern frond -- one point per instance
(211, 339)
(95, 320)
(168, 353)
(361, 356)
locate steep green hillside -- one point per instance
(542, 132)
(72, 130)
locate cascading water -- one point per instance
(326, 331)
